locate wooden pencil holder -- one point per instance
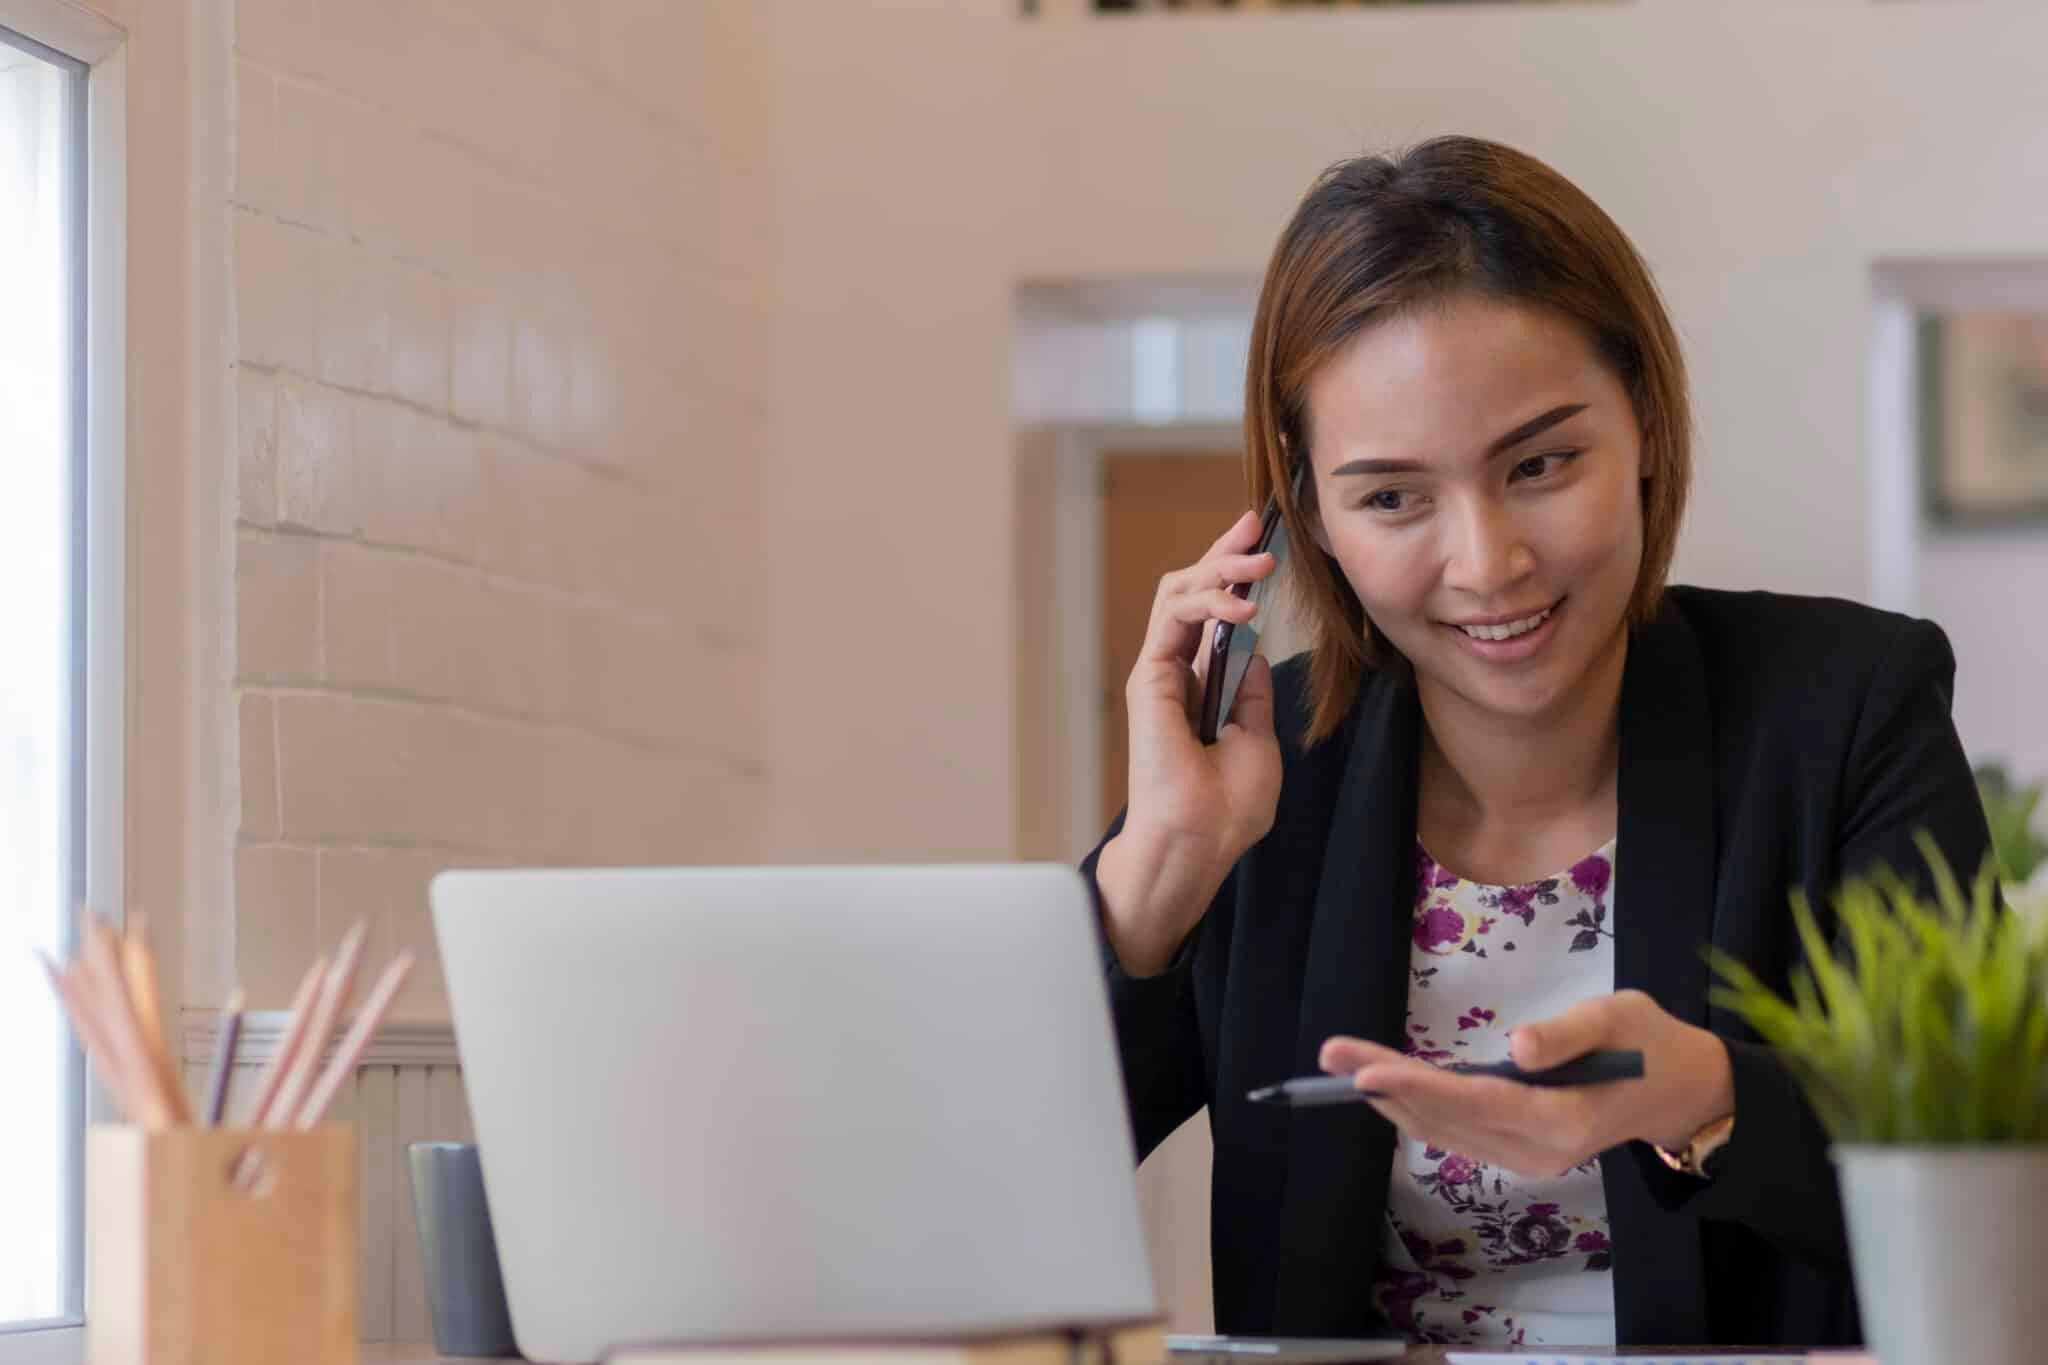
(221, 1245)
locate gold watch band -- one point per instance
(1707, 1141)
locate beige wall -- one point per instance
(498, 292)
(582, 432)
(887, 558)
(1764, 156)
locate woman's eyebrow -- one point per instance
(1535, 426)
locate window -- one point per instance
(42, 675)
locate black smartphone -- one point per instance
(1230, 652)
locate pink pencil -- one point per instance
(287, 1048)
(92, 1037)
(327, 1007)
(356, 1042)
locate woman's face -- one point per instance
(1477, 474)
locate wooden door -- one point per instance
(1160, 511)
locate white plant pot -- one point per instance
(1949, 1245)
(2029, 897)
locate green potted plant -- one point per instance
(2018, 848)
(1920, 1033)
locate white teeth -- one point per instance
(1510, 630)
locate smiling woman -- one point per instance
(1500, 806)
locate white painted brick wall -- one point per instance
(501, 332)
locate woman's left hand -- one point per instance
(1537, 1130)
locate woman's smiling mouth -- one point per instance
(1508, 639)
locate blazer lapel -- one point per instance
(1664, 909)
(1355, 981)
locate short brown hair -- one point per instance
(1378, 235)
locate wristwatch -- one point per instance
(1695, 1157)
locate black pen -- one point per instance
(1593, 1068)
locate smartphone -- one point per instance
(1230, 652)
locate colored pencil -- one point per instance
(274, 1071)
(375, 1006)
(138, 972)
(106, 988)
(327, 1007)
(92, 1036)
(227, 1039)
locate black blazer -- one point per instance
(1767, 742)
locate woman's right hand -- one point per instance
(1194, 808)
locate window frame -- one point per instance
(94, 51)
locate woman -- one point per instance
(1500, 807)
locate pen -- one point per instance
(1307, 1092)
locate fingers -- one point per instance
(1373, 1067)
(1545, 1133)
(1189, 597)
(1583, 1028)
(1340, 1054)
(1421, 1085)
(1498, 1121)
(1223, 570)
(1208, 604)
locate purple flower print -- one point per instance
(1397, 1295)
(1476, 1017)
(1519, 901)
(1458, 1170)
(1591, 875)
(1539, 1233)
(1438, 926)
(1591, 1241)
(1423, 1049)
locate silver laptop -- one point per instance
(793, 1103)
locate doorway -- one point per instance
(1160, 511)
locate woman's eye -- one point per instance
(1536, 466)
(1387, 500)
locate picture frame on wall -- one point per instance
(1119, 6)
(1984, 418)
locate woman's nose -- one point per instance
(1488, 553)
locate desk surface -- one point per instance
(414, 1354)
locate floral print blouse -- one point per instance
(1475, 1254)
